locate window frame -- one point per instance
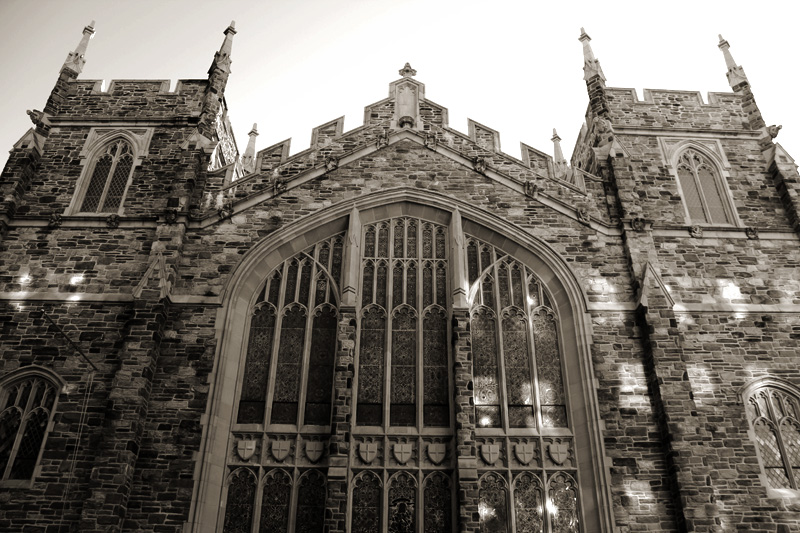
(9, 380)
(95, 146)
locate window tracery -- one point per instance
(110, 174)
(704, 193)
(26, 408)
(774, 414)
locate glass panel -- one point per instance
(118, 182)
(563, 497)
(493, 507)
(502, 286)
(411, 284)
(411, 245)
(336, 263)
(366, 516)
(381, 287)
(366, 287)
(402, 504)
(472, 262)
(321, 290)
(277, 491)
(487, 292)
(369, 242)
(397, 284)
(427, 241)
(305, 283)
(427, 285)
(519, 385)
(274, 288)
(516, 286)
(484, 350)
(438, 501)
(689, 188)
(311, 503)
(291, 282)
(399, 239)
(441, 285)
(320, 368)
(529, 504)
(383, 240)
(29, 446)
(436, 411)
(548, 366)
(9, 426)
(440, 244)
(256, 368)
(290, 354)
(370, 368)
(710, 187)
(239, 507)
(94, 191)
(404, 368)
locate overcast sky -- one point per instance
(513, 66)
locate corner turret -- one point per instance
(736, 75)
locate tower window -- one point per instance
(704, 193)
(109, 179)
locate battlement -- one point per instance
(139, 87)
(675, 109)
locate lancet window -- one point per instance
(109, 179)
(704, 193)
(774, 414)
(26, 407)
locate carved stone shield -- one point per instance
(436, 452)
(281, 449)
(245, 449)
(558, 452)
(314, 450)
(368, 451)
(525, 452)
(402, 452)
(490, 453)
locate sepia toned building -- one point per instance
(401, 328)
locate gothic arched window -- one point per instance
(773, 410)
(26, 408)
(110, 174)
(704, 193)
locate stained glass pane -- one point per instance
(502, 286)
(381, 285)
(519, 385)
(486, 258)
(370, 368)
(305, 283)
(473, 268)
(94, 191)
(516, 287)
(436, 409)
(239, 507)
(320, 290)
(30, 444)
(366, 287)
(440, 244)
(790, 431)
(324, 255)
(689, 189)
(563, 497)
(404, 368)
(9, 426)
(397, 284)
(438, 501)
(256, 369)
(402, 504)
(276, 493)
(484, 351)
(116, 188)
(427, 241)
(383, 240)
(529, 504)
(548, 366)
(399, 239)
(411, 244)
(291, 282)
(487, 292)
(710, 186)
(441, 285)
(493, 506)
(274, 288)
(366, 516)
(411, 284)
(336, 262)
(320, 368)
(290, 354)
(311, 503)
(427, 285)
(533, 294)
(369, 242)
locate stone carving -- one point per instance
(525, 452)
(402, 452)
(559, 452)
(280, 449)
(479, 163)
(279, 185)
(407, 71)
(583, 215)
(331, 164)
(430, 141)
(54, 221)
(245, 449)
(383, 140)
(773, 131)
(696, 231)
(314, 450)
(531, 188)
(437, 452)
(171, 216)
(490, 453)
(752, 233)
(225, 211)
(368, 451)
(638, 224)
(112, 221)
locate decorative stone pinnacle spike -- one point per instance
(254, 131)
(407, 71)
(558, 155)
(591, 66)
(735, 73)
(249, 156)
(222, 59)
(75, 60)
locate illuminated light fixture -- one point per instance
(74, 280)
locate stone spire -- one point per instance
(75, 60)
(222, 59)
(558, 156)
(249, 157)
(735, 74)
(591, 66)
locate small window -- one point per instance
(26, 407)
(774, 414)
(704, 193)
(110, 175)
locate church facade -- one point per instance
(401, 328)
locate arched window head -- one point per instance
(773, 410)
(110, 174)
(704, 193)
(26, 407)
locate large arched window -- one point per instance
(27, 403)
(773, 410)
(704, 192)
(110, 173)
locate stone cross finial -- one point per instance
(407, 71)
(75, 60)
(735, 73)
(591, 66)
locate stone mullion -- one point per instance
(467, 461)
(341, 424)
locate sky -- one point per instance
(514, 66)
